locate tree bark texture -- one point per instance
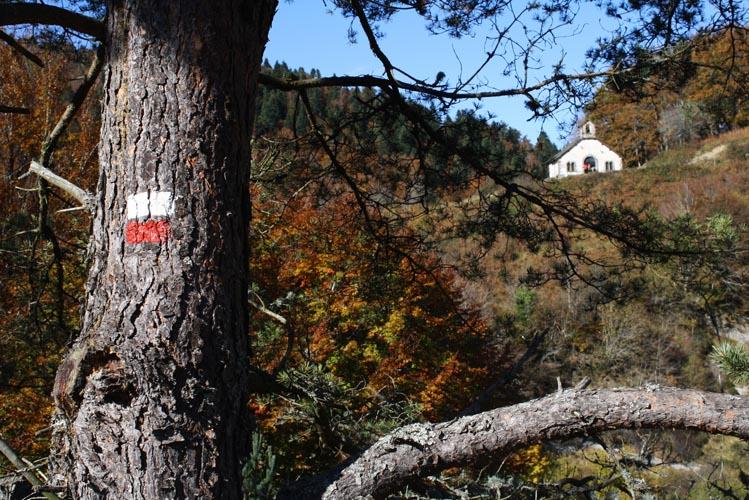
(422, 449)
(151, 399)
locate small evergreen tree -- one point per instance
(545, 151)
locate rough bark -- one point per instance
(422, 449)
(151, 399)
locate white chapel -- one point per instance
(584, 155)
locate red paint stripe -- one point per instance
(150, 231)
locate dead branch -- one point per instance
(14, 109)
(424, 449)
(23, 469)
(41, 167)
(260, 307)
(21, 49)
(79, 194)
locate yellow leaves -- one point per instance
(372, 322)
(531, 462)
(351, 347)
(372, 354)
(417, 312)
(452, 389)
(23, 413)
(390, 330)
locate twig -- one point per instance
(21, 467)
(72, 209)
(268, 312)
(585, 382)
(14, 109)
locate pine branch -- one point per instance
(14, 109)
(34, 13)
(732, 360)
(21, 49)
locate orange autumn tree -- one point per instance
(723, 94)
(708, 97)
(41, 249)
(374, 336)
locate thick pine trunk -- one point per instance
(151, 399)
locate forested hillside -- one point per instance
(669, 324)
(309, 236)
(281, 114)
(698, 100)
(416, 308)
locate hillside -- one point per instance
(661, 325)
(707, 96)
(701, 178)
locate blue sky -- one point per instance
(305, 33)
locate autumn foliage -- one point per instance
(360, 326)
(709, 96)
(41, 251)
(390, 325)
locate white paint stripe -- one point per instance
(150, 204)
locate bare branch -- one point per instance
(79, 194)
(440, 92)
(75, 103)
(21, 49)
(420, 449)
(40, 168)
(23, 469)
(35, 13)
(14, 109)
(275, 316)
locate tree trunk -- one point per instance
(151, 399)
(422, 449)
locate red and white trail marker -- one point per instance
(148, 216)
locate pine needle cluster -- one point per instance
(733, 361)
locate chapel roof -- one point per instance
(571, 145)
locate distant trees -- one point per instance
(544, 151)
(683, 122)
(708, 96)
(42, 251)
